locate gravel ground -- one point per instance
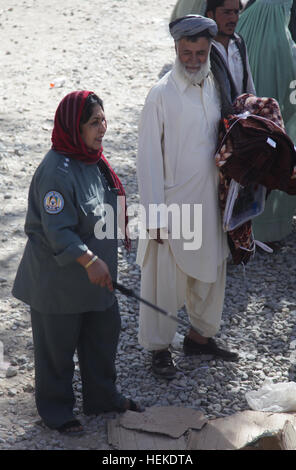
(117, 49)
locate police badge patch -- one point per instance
(53, 202)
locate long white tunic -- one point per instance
(177, 141)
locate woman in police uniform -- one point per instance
(66, 272)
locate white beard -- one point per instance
(194, 78)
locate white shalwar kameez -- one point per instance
(177, 140)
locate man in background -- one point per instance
(229, 58)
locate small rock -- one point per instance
(217, 407)
(22, 360)
(11, 372)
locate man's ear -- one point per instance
(210, 14)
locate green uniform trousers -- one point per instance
(56, 337)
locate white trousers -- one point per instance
(165, 285)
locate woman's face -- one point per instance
(93, 131)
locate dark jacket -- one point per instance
(228, 90)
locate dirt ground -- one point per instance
(118, 49)
(115, 48)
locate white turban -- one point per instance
(192, 24)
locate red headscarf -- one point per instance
(66, 139)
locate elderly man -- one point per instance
(176, 170)
(229, 58)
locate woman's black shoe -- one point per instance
(163, 365)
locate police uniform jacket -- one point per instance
(67, 199)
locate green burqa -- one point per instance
(272, 57)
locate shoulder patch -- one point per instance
(53, 202)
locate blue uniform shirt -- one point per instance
(67, 198)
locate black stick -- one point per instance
(130, 293)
